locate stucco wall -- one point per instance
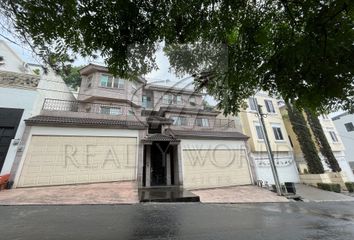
(21, 99)
(346, 137)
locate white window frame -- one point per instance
(260, 135)
(270, 108)
(252, 104)
(204, 122)
(278, 133)
(112, 81)
(179, 120)
(178, 99)
(113, 110)
(167, 99)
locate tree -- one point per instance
(72, 77)
(304, 138)
(301, 50)
(322, 141)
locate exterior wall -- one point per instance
(285, 164)
(21, 99)
(12, 62)
(126, 93)
(157, 99)
(249, 120)
(346, 137)
(207, 171)
(328, 125)
(81, 132)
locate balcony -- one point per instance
(64, 108)
(210, 125)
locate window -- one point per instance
(167, 99)
(118, 83)
(252, 103)
(111, 82)
(349, 126)
(192, 101)
(179, 121)
(111, 110)
(146, 102)
(333, 136)
(178, 99)
(259, 131)
(269, 106)
(202, 122)
(277, 133)
(104, 80)
(89, 81)
(131, 112)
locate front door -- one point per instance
(9, 120)
(158, 164)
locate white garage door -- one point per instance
(205, 168)
(57, 160)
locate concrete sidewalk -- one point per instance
(98, 193)
(238, 194)
(312, 194)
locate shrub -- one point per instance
(350, 186)
(333, 187)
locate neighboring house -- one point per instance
(334, 140)
(345, 126)
(22, 93)
(122, 130)
(278, 137)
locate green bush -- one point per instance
(350, 186)
(333, 187)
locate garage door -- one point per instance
(57, 160)
(203, 168)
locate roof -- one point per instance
(158, 119)
(172, 89)
(91, 67)
(191, 134)
(42, 120)
(186, 110)
(160, 138)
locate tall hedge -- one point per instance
(322, 141)
(303, 135)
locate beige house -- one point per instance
(278, 137)
(119, 130)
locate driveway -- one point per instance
(238, 194)
(273, 221)
(312, 194)
(99, 193)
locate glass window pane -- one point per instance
(103, 80)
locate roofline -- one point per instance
(173, 89)
(340, 115)
(105, 69)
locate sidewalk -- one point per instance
(238, 194)
(312, 194)
(98, 193)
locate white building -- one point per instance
(23, 89)
(345, 126)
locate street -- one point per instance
(295, 220)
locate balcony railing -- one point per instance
(210, 124)
(85, 107)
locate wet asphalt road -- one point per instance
(284, 221)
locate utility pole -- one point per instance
(260, 116)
